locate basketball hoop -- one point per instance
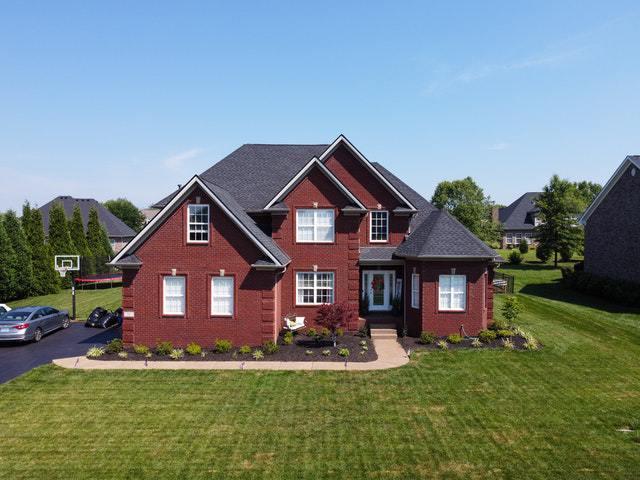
(62, 271)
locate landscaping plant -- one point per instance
(95, 352)
(164, 348)
(176, 354)
(511, 309)
(443, 345)
(222, 346)
(523, 246)
(140, 349)
(270, 347)
(343, 352)
(193, 349)
(114, 346)
(334, 316)
(454, 338)
(427, 338)
(287, 338)
(258, 355)
(515, 257)
(244, 350)
(487, 336)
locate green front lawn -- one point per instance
(554, 413)
(86, 300)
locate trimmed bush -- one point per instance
(618, 291)
(504, 333)
(487, 336)
(515, 257)
(193, 349)
(270, 347)
(523, 246)
(344, 352)
(141, 349)
(454, 338)
(114, 346)
(244, 350)
(543, 254)
(222, 346)
(339, 332)
(312, 332)
(287, 338)
(565, 254)
(427, 338)
(164, 348)
(325, 332)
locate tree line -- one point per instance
(27, 253)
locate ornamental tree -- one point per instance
(333, 316)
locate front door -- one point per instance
(378, 285)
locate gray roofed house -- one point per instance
(119, 232)
(519, 220)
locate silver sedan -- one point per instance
(31, 323)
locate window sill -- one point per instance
(451, 311)
(379, 241)
(173, 315)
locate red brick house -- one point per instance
(277, 229)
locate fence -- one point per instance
(503, 283)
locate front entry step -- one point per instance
(380, 333)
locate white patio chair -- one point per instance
(293, 325)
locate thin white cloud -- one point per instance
(177, 161)
(500, 146)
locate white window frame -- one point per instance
(231, 297)
(190, 223)
(386, 236)
(165, 296)
(315, 225)
(315, 288)
(509, 237)
(452, 293)
(415, 290)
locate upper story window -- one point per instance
(314, 288)
(314, 225)
(452, 292)
(198, 224)
(173, 295)
(379, 226)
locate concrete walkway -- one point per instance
(390, 355)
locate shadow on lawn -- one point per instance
(555, 290)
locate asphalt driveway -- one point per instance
(16, 359)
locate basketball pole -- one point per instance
(73, 297)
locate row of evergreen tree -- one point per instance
(27, 254)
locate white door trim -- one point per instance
(389, 284)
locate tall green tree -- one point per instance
(79, 239)
(466, 201)
(127, 212)
(98, 241)
(24, 269)
(59, 237)
(8, 286)
(560, 205)
(587, 192)
(44, 276)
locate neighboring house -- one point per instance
(278, 229)
(519, 221)
(119, 232)
(612, 226)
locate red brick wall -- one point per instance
(229, 249)
(340, 257)
(370, 191)
(479, 306)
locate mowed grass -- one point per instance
(86, 300)
(554, 413)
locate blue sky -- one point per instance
(108, 99)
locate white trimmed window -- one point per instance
(314, 288)
(509, 239)
(415, 290)
(198, 224)
(222, 296)
(453, 292)
(314, 225)
(173, 295)
(379, 226)
(517, 238)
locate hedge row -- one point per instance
(619, 291)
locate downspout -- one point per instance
(404, 294)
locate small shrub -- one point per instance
(504, 333)
(193, 349)
(287, 338)
(508, 344)
(222, 346)
(340, 332)
(427, 338)
(565, 254)
(244, 350)
(543, 254)
(363, 343)
(325, 332)
(344, 352)
(270, 347)
(123, 354)
(486, 336)
(326, 353)
(312, 332)
(141, 349)
(511, 309)
(454, 338)
(148, 354)
(176, 354)
(523, 246)
(308, 352)
(257, 355)
(476, 343)
(531, 344)
(365, 347)
(164, 348)
(114, 346)
(95, 352)
(443, 345)
(515, 257)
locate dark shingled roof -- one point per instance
(129, 261)
(441, 235)
(520, 214)
(376, 253)
(115, 227)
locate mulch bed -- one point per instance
(415, 345)
(286, 353)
